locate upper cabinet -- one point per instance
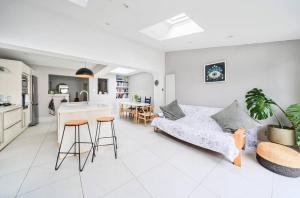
(11, 79)
(25, 69)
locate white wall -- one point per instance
(142, 85)
(274, 67)
(35, 28)
(110, 97)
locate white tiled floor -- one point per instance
(149, 165)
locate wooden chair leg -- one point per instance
(239, 138)
(238, 160)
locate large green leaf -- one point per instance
(293, 114)
(259, 106)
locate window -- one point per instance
(122, 70)
(177, 26)
(102, 86)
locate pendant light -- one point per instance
(84, 72)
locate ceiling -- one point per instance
(35, 59)
(43, 60)
(226, 23)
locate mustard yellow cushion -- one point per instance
(279, 154)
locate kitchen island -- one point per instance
(77, 111)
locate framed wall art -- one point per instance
(215, 72)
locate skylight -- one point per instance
(177, 26)
(122, 70)
(81, 3)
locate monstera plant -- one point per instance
(262, 107)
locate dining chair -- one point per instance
(146, 114)
(148, 100)
(124, 111)
(139, 99)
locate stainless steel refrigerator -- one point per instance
(35, 105)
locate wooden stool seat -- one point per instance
(105, 119)
(76, 122)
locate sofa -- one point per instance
(198, 128)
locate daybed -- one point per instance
(198, 128)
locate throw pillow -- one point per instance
(172, 111)
(234, 117)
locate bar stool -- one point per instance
(98, 137)
(76, 124)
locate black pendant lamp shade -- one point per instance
(84, 73)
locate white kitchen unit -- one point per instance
(26, 117)
(11, 81)
(14, 119)
(81, 111)
(11, 124)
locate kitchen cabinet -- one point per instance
(11, 117)
(10, 124)
(26, 117)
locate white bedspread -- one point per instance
(198, 128)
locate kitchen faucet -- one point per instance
(87, 94)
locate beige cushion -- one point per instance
(279, 154)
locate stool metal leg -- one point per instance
(95, 142)
(79, 163)
(98, 138)
(114, 134)
(91, 140)
(75, 141)
(92, 147)
(57, 167)
(113, 137)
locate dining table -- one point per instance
(135, 106)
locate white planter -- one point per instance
(284, 136)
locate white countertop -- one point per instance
(70, 107)
(9, 108)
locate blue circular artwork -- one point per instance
(215, 72)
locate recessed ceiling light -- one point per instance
(81, 3)
(230, 36)
(125, 5)
(122, 70)
(106, 23)
(177, 26)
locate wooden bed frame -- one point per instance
(239, 138)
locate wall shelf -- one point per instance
(122, 86)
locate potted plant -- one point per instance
(262, 107)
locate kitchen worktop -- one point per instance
(71, 107)
(9, 108)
